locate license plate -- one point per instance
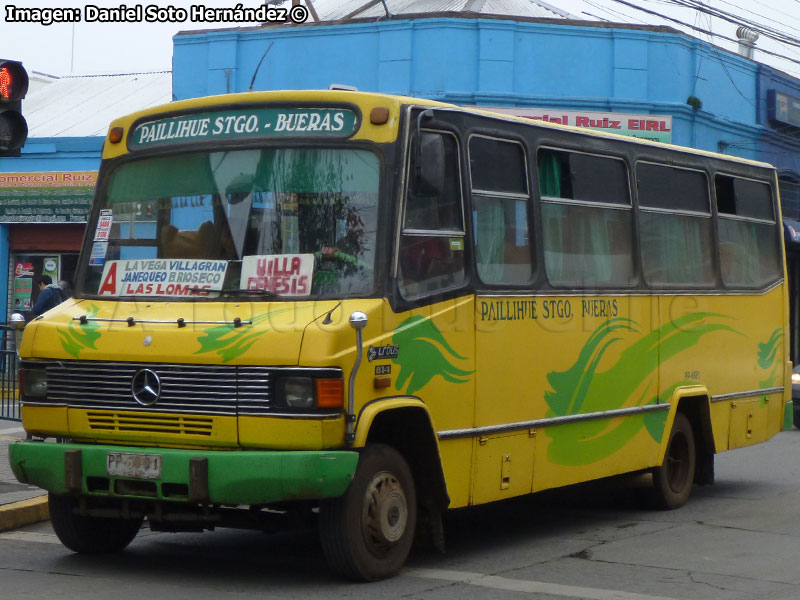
(137, 466)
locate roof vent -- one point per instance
(343, 86)
(747, 41)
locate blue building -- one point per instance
(493, 61)
(778, 113)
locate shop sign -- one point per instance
(23, 288)
(783, 108)
(23, 269)
(656, 128)
(244, 123)
(50, 267)
(46, 197)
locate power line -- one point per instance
(760, 15)
(701, 30)
(738, 20)
(613, 12)
(598, 17)
(789, 42)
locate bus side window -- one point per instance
(749, 254)
(587, 223)
(675, 226)
(500, 200)
(432, 241)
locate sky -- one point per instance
(100, 47)
(92, 48)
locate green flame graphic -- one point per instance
(769, 358)
(77, 337)
(230, 342)
(582, 389)
(424, 354)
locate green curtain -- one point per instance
(549, 174)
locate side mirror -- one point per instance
(358, 320)
(429, 169)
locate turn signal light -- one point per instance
(379, 115)
(330, 393)
(115, 135)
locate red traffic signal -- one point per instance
(13, 87)
(13, 81)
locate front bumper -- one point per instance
(205, 476)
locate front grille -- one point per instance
(126, 422)
(196, 389)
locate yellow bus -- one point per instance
(367, 309)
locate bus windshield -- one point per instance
(277, 222)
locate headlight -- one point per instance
(795, 378)
(295, 392)
(33, 382)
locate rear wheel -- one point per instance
(367, 533)
(89, 535)
(672, 481)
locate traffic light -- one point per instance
(13, 87)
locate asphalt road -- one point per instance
(738, 539)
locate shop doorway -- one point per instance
(28, 267)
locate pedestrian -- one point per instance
(50, 295)
(66, 289)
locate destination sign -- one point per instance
(244, 123)
(162, 277)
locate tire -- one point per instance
(367, 533)
(89, 535)
(672, 481)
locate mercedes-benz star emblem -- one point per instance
(146, 387)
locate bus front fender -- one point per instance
(404, 423)
(369, 412)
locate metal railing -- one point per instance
(9, 376)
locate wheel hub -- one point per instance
(678, 463)
(385, 514)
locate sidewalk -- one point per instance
(20, 504)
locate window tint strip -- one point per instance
(672, 188)
(497, 165)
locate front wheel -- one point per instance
(89, 535)
(367, 533)
(672, 481)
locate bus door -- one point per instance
(500, 206)
(434, 334)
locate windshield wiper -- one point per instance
(246, 292)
